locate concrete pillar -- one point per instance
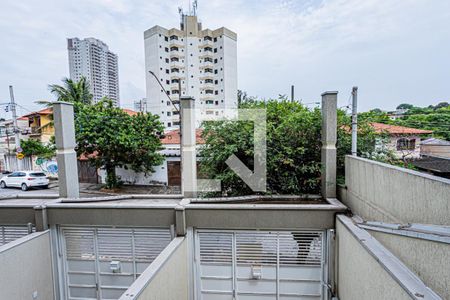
(329, 138)
(188, 149)
(65, 150)
(40, 217)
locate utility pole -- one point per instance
(16, 128)
(354, 120)
(292, 93)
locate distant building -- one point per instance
(435, 147)
(92, 59)
(403, 141)
(202, 62)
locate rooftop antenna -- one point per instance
(194, 7)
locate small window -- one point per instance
(167, 60)
(215, 50)
(173, 37)
(169, 124)
(167, 71)
(174, 48)
(216, 92)
(166, 38)
(166, 49)
(215, 61)
(215, 39)
(406, 144)
(215, 71)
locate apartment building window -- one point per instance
(175, 80)
(175, 70)
(208, 59)
(216, 82)
(174, 48)
(169, 124)
(168, 114)
(215, 50)
(168, 92)
(215, 71)
(216, 92)
(167, 60)
(166, 38)
(166, 49)
(173, 37)
(215, 39)
(167, 82)
(208, 49)
(174, 59)
(208, 70)
(175, 92)
(209, 102)
(215, 61)
(175, 113)
(176, 123)
(168, 103)
(209, 92)
(217, 102)
(207, 38)
(167, 71)
(208, 81)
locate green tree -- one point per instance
(33, 147)
(111, 138)
(405, 106)
(293, 148)
(72, 91)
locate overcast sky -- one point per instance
(395, 51)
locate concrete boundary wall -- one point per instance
(367, 270)
(26, 268)
(166, 278)
(423, 257)
(382, 192)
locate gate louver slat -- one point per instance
(216, 247)
(10, 233)
(89, 252)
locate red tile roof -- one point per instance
(394, 129)
(173, 137)
(130, 112)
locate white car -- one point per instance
(24, 180)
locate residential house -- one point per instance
(168, 173)
(41, 125)
(404, 141)
(8, 140)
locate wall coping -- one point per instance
(400, 169)
(409, 281)
(22, 240)
(138, 286)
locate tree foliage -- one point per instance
(34, 147)
(293, 148)
(72, 91)
(111, 138)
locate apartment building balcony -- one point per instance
(176, 64)
(177, 54)
(176, 43)
(206, 43)
(206, 54)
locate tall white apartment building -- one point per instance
(203, 61)
(92, 59)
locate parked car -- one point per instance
(24, 180)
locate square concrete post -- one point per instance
(329, 138)
(188, 148)
(65, 150)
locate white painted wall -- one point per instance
(166, 278)
(423, 257)
(131, 177)
(360, 276)
(26, 268)
(382, 192)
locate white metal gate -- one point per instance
(259, 265)
(9, 233)
(101, 263)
